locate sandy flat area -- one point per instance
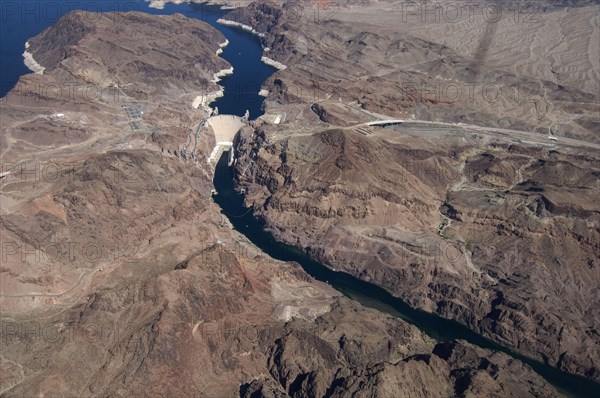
(528, 46)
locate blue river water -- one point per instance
(21, 20)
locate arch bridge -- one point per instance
(386, 123)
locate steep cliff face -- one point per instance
(502, 238)
(453, 369)
(207, 325)
(67, 32)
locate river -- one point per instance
(23, 20)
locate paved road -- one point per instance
(523, 136)
(509, 134)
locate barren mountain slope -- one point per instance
(558, 43)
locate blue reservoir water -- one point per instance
(21, 20)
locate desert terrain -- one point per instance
(121, 277)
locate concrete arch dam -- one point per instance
(225, 127)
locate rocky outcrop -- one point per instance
(334, 363)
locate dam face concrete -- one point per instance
(225, 127)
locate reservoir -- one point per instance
(241, 93)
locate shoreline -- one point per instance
(31, 63)
(247, 28)
(271, 62)
(221, 47)
(160, 4)
(222, 73)
(264, 59)
(206, 100)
